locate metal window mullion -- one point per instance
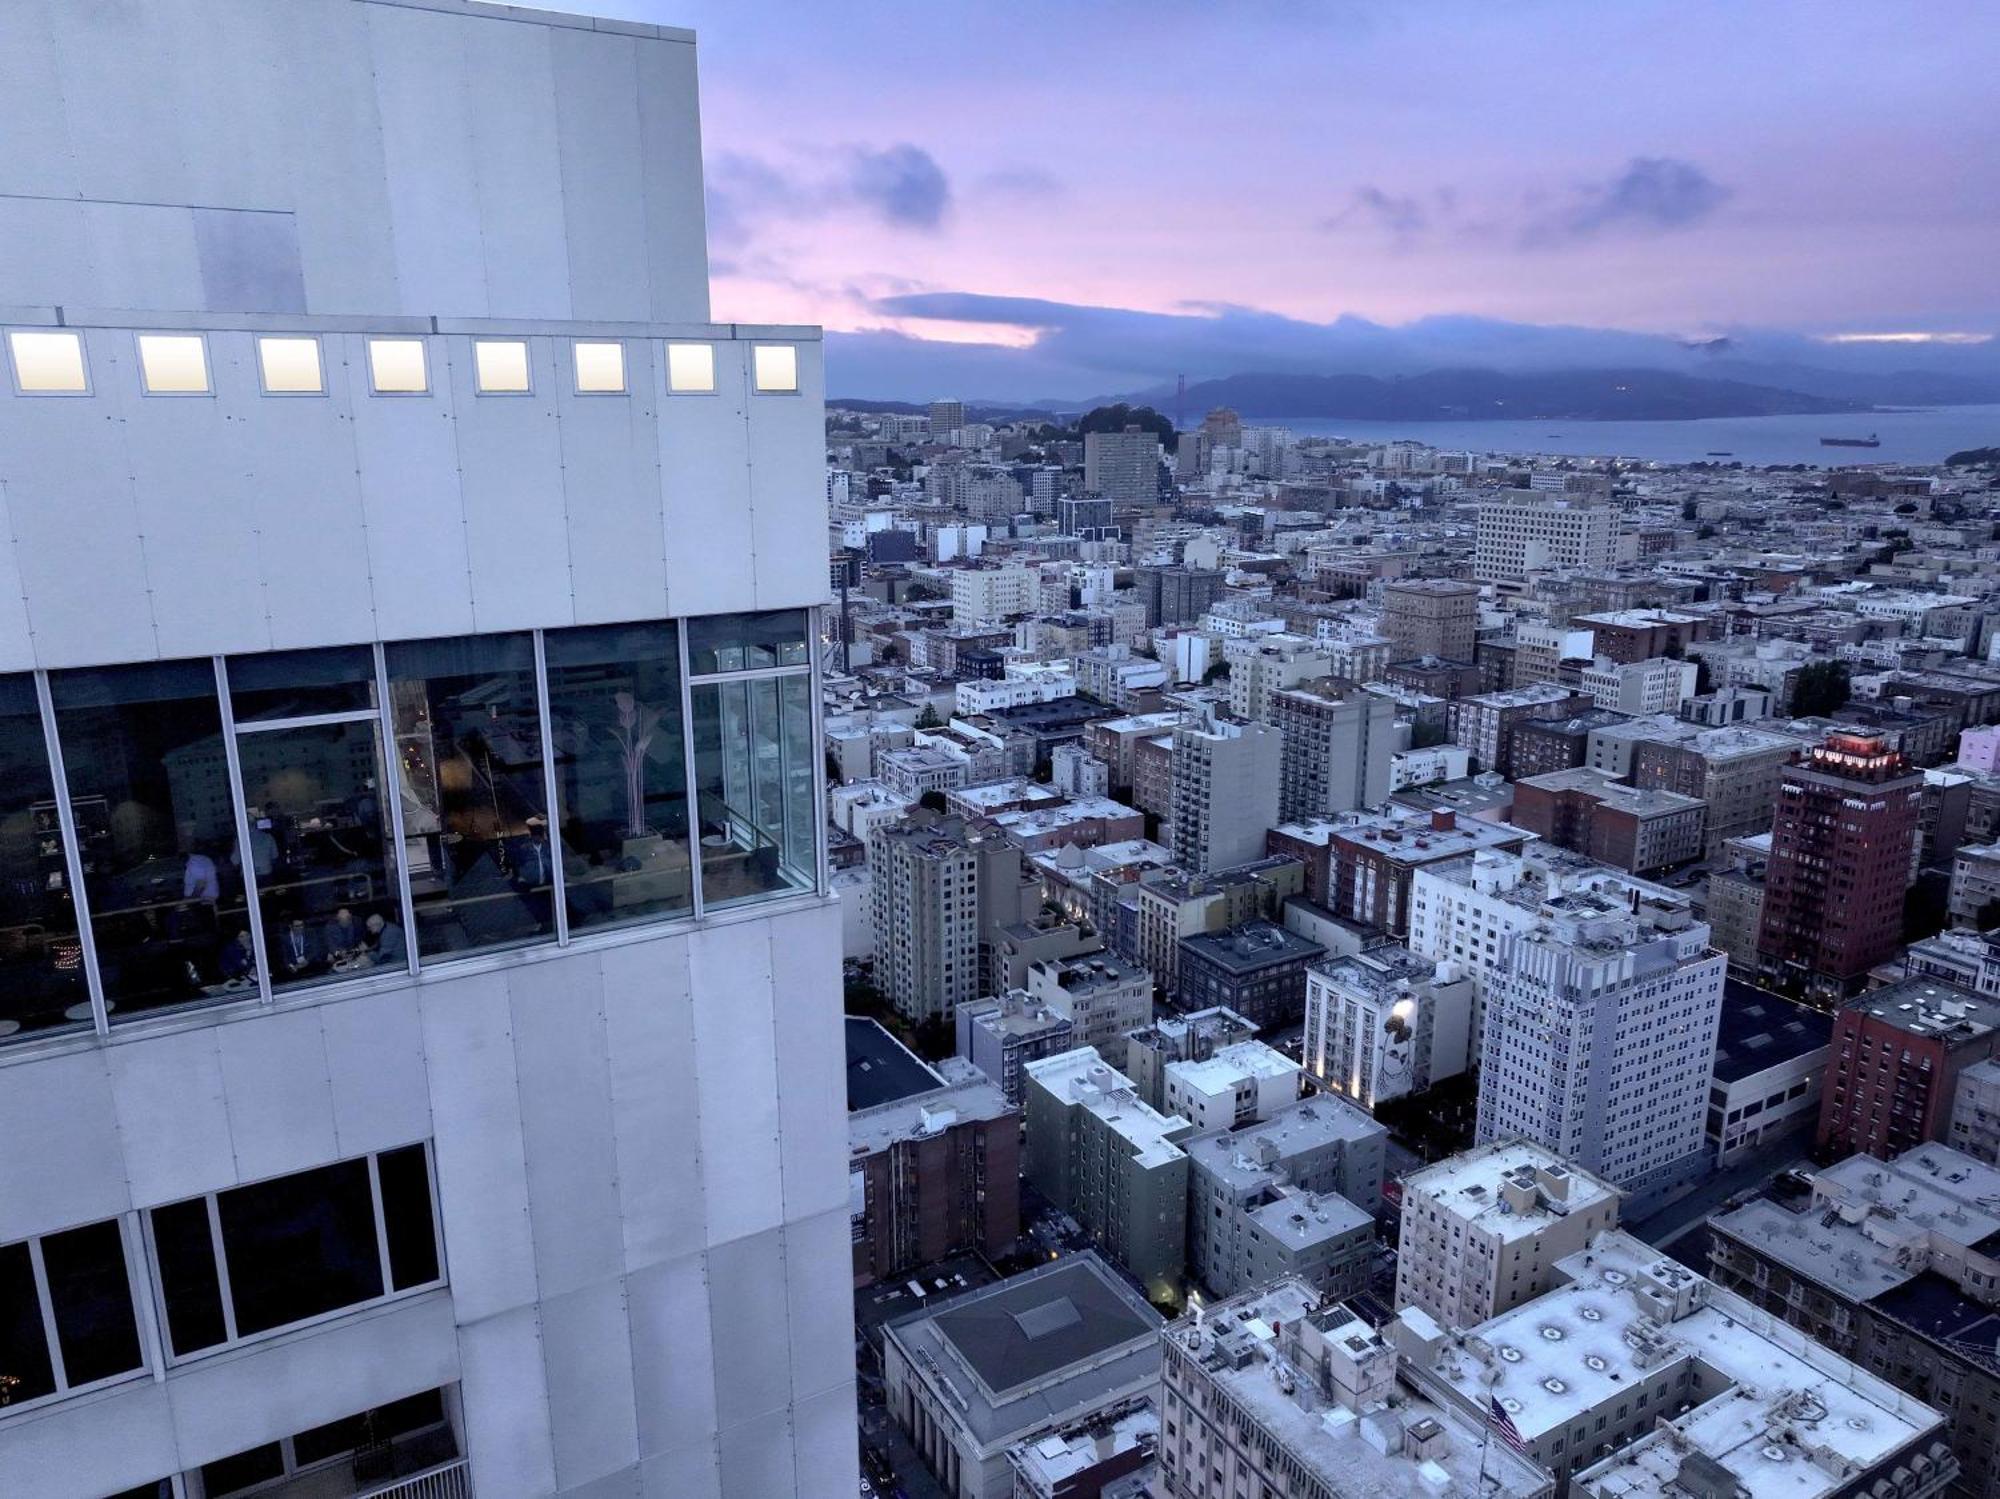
(558, 879)
(306, 721)
(443, 1276)
(381, 1224)
(392, 791)
(246, 860)
(230, 1334)
(139, 1274)
(816, 713)
(79, 898)
(47, 1304)
(688, 769)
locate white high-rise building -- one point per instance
(420, 1059)
(1225, 792)
(1526, 532)
(1124, 467)
(1600, 1037)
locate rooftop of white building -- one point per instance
(1084, 1078)
(1627, 1314)
(1238, 1344)
(1244, 1156)
(1470, 1186)
(1228, 1065)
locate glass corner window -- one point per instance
(691, 369)
(754, 781)
(398, 367)
(48, 362)
(621, 772)
(173, 364)
(500, 366)
(42, 982)
(747, 642)
(776, 368)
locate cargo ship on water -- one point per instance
(1870, 441)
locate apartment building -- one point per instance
(1842, 852)
(1235, 1084)
(1524, 533)
(1386, 1023)
(1734, 772)
(1178, 1038)
(1975, 1113)
(1888, 1262)
(1484, 724)
(1896, 1057)
(1113, 1162)
(1225, 792)
(1000, 1036)
(1376, 859)
(1658, 684)
(937, 1173)
(1263, 666)
(1338, 750)
(1626, 636)
(1770, 1069)
(1638, 1376)
(1481, 1232)
(1124, 467)
(987, 595)
(1599, 1031)
(1102, 995)
(1431, 617)
(419, 731)
(1256, 970)
(1634, 829)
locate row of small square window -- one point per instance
(50, 362)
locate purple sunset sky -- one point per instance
(1682, 168)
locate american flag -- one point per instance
(1497, 1417)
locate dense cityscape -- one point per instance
(594, 902)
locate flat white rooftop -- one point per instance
(1468, 1186)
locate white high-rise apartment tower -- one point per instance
(419, 1043)
(1600, 1037)
(1523, 533)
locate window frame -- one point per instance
(82, 354)
(137, 1269)
(757, 385)
(714, 386)
(576, 385)
(200, 339)
(479, 385)
(319, 364)
(422, 344)
(233, 1340)
(294, 1469)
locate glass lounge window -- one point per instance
(295, 1248)
(500, 366)
(173, 364)
(309, 743)
(615, 730)
(76, 1283)
(391, 1441)
(600, 367)
(747, 642)
(396, 367)
(156, 832)
(776, 367)
(48, 363)
(691, 369)
(42, 983)
(290, 366)
(475, 804)
(754, 772)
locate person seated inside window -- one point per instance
(239, 959)
(296, 950)
(343, 937)
(388, 948)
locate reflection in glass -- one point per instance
(320, 846)
(299, 684)
(747, 642)
(41, 961)
(615, 730)
(156, 831)
(475, 814)
(754, 776)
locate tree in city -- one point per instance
(1822, 688)
(928, 719)
(1118, 417)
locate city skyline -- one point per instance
(1216, 191)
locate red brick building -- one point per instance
(1897, 1053)
(1846, 824)
(1590, 812)
(1628, 635)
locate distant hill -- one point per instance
(1489, 395)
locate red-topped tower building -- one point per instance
(1841, 842)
